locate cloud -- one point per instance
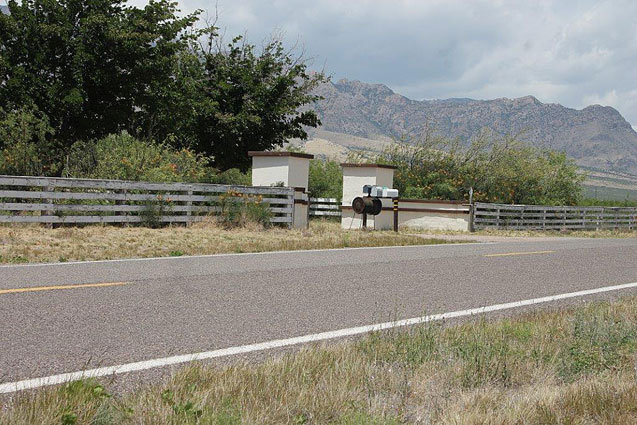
(570, 52)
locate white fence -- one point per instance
(325, 207)
(61, 200)
(519, 217)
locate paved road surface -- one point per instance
(162, 307)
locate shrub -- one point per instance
(26, 147)
(233, 176)
(238, 210)
(499, 170)
(325, 179)
(122, 156)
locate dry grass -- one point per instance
(563, 233)
(32, 243)
(569, 366)
(537, 233)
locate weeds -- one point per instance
(238, 210)
(21, 244)
(566, 366)
(153, 211)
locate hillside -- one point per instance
(596, 137)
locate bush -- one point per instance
(499, 170)
(26, 148)
(238, 210)
(325, 179)
(122, 156)
(233, 176)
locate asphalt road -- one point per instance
(163, 307)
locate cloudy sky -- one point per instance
(571, 52)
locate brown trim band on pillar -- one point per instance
(429, 210)
(292, 154)
(390, 167)
(433, 201)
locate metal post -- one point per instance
(364, 220)
(395, 200)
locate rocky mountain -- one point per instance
(596, 137)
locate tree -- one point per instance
(92, 67)
(25, 145)
(252, 101)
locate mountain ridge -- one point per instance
(595, 136)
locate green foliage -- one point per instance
(325, 179)
(25, 146)
(93, 67)
(598, 342)
(124, 157)
(592, 202)
(233, 176)
(153, 211)
(237, 210)
(103, 66)
(499, 170)
(250, 101)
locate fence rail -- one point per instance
(325, 207)
(519, 217)
(62, 200)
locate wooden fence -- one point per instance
(502, 216)
(325, 207)
(61, 200)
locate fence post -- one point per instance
(123, 192)
(497, 221)
(616, 218)
(563, 218)
(395, 208)
(544, 219)
(472, 213)
(291, 197)
(189, 203)
(50, 188)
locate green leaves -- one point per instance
(499, 170)
(253, 100)
(102, 66)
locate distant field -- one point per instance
(606, 193)
(567, 366)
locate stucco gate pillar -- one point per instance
(355, 176)
(290, 168)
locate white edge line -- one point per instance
(234, 254)
(11, 387)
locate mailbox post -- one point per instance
(355, 176)
(372, 203)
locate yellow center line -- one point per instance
(58, 287)
(518, 253)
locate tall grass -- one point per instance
(568, 366)
(240, 233)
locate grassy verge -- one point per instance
(535, 233)
(564, 233)
(569, 366)
(32, 243)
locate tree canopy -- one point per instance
(91, 68)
